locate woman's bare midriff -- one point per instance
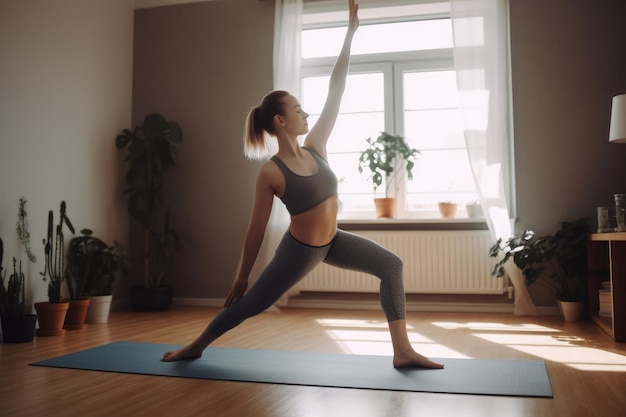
(316, 227)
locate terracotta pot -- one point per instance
(447, 210)
(99, 309)
(385, 207)
(51, 317)
(76, 314)
(19, 329)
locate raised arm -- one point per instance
(318, 136)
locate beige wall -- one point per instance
(205, 65)
(568, 61)
(65, 92)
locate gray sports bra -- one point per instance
(303, 192)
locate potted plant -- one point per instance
(92, 268)
(152, 152)
(556, 260)
(384, 158)
(17, 324)
(51, 313)
(447, 209)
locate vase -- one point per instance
(51, 317)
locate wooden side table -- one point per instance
(606, 260)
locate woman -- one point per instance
(301, 177)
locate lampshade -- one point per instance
(617, 132)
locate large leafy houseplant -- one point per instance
(558, 258)
(384, 157)
(152, 152)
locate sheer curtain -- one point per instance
(480, 29)
(287, 53)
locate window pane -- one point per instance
(363, 93)
(434, 129)
(430, 90)
(380, 38)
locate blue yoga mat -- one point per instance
(460, 376)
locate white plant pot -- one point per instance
(99, 309)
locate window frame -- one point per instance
(392, 65)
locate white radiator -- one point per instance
(435, 262)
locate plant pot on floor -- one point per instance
(99, 309)
(19, 329)
(385, 207)
(158, 298)
(76, 314)
(571, 310)
(51, 317)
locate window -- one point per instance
(401, 80)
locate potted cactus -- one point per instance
(151, 154)
(17, 324)
(51, 314)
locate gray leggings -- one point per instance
(293, 260)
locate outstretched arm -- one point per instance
(318, 136)
(264, 197)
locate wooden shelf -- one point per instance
(608, 237)
(606, 260)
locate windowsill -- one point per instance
(413, 224)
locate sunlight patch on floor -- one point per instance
(566, 350)
(525, 327)
(364, 337)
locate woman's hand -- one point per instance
(353, 23)
(237, 290)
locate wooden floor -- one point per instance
(587, 370)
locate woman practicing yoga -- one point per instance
(302, 179)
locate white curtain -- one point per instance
(480, 29)
(287, 53)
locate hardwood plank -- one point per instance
(586, 368)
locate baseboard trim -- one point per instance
(453, 307)
(328, 304)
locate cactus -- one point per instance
(12, 296)
(21, 228)
(54, 245)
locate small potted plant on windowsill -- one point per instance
(557, 261)
(92, 268)
(385, 157)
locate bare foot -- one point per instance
(186, 352)
(414, 360)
